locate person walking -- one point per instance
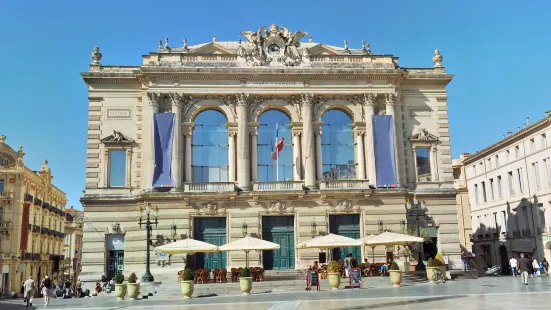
(536, 267)
(513, 263)
(545, 266)
(524, 265)
(29, 291)
(463, 260)
(46, 290)
(348, 264)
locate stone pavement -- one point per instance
(485, 293)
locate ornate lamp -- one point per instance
(173, 229)
(244, 229)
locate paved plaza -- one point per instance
(485, 293)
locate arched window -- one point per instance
(271, 168)
(337, 146)
(210, 147)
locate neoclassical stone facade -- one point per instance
(270, 70)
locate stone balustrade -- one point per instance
(214, 187)
(277, 186)
(344, 184)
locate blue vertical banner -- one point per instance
(163, 132)
(383, 140)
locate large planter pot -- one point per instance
(187, 288)
(443, 270)
(405, 267)
(334, 280)
(246, 285)
(395, 277)
(120, 291)
(430, 272)
(133, 290)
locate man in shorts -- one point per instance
(46, 290)
(29, 291)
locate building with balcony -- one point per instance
(72, 245)
(463, 207)
(194, 130)
(31, 221)
(509, 188)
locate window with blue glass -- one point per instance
(337, 146)
(117, 168)
(272, 166)
(1, 185)
(210, 147)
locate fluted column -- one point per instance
(369, 101)
(231, 156)
(296, 156)
(360, 154)
(308, 142)
(319, 155)
(254, 154)
(188, 156)
(154, 105)
(390, 100)
(242, 142)
(177, 146)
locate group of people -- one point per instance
(525, 266)
(47, 289)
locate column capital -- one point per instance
(232, 133)
(297, 133)
(154, 98)
(241, 99)
(369, 98)
(178, 99)
(253, 131)
(390, 98)
(306, 99)
(359, 132)
(318, 131)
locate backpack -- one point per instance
(48, 283)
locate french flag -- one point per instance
(279, 145)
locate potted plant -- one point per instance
(334, 275)
(120, 288)
(395, 274)
(133, 287)
(440, 263)
(245, 281)
(186, 284)
(431, 268)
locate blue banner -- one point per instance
(383, 136)
(163, 125)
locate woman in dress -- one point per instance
(46, 289)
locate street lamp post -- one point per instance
(148, 277)
(416, 211)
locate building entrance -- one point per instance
(211, 230)
(280, 230)
(348, 226)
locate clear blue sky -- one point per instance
(499, 53)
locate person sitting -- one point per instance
(354, 262)
(112, 284)
(384, 269)
(97, 289)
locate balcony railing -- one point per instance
(344, 184)
(28, 198)
(526, 232)
(277, 186)
(214, 187)
(5, 226)
(37, 202)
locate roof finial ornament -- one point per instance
(96, 56)
(160, 44)
(214, 38)
(2, 139)
(185, 43)
(346, 45)
(310, 40)
(363, 47)
(166, 43)
(368, 49)
(437, 59)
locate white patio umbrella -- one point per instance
(248, 244)
(189, 246)
(389, 239)
(330, 242)
(364, 240)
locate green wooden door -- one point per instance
(211, 230)
(280, 230)
(348, 226)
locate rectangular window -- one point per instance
(492, 197)
(496, 223)
(517, 152)
(511, 187)
(476, 194)
(482, 170)
(117, 168)
(548, 169)
(497, 161)
(489, 163)
(499, 192)
(520, 180)
(486, 224)
(423, 164)
(1, 185)
(532, 145)
(484, 191)
(504, 222)
(474, 170)
(543, 140)
(536, 174)
(508, 156)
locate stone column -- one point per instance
(319, 155)
(360, 154)
(188, 155)
(154, 99)
(177, 146)
(308, 141)
(390, 99)
(231, 156)
(296, 156)
(242, 142)
(369, 100)
(254, 154)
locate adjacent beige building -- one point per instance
(463, 207)
(218, 181)
(509, 186)
(32, 220)
(72, 244)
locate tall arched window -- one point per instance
(271, 169)
(210, 147)
(337, 146)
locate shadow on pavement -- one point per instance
(401, 303)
